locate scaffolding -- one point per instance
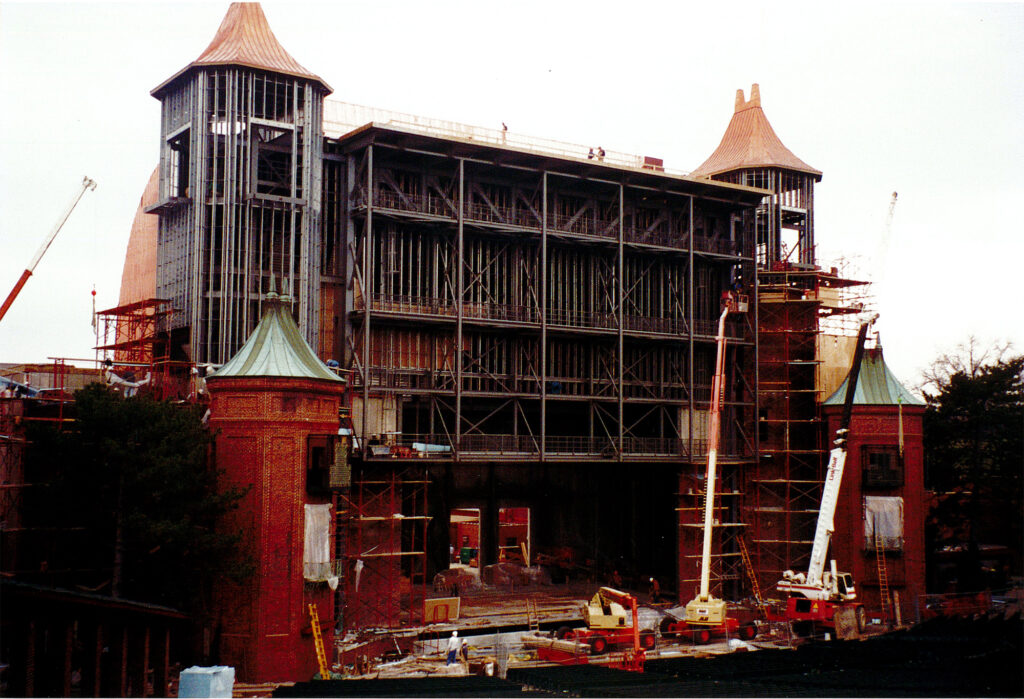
(785, 486)
(134, 338)
(381, 548)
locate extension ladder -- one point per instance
(532, 616)
(749, 566)
(318, 640)
(883, 579)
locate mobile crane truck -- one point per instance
(820, 597)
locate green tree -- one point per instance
(132, 477)
(974, 455)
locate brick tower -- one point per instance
(883, 490)
(274, 407)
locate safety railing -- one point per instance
(421, 305)
(440, 446)
(342, 117)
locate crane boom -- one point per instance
(834, 475)
(816, 584)
(87, 184)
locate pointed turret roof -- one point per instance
(751, 142)
(276, 348)
(245, 39)
(876, 385)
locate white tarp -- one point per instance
(316, 559)
(883, 515)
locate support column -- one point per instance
(67, 641)
(619, 296)
(489, 527)
(30, 659)
(460, 280)
(544, 317)
(138, 662)
(115, 670)
(367, 301)
(92, 657)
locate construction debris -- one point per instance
(534, 640)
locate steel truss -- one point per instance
(513, 313)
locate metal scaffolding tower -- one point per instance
(381, 548)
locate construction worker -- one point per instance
(655, 591)
(453, 648)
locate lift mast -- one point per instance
(705, 609)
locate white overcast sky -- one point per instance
(925, 99)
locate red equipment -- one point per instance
(605, 616)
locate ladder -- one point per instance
(883, 579)
(532, 616)
(749, 567)
(318, 640)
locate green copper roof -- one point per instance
(276, 348)
(876, 385)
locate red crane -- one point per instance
(87, 184)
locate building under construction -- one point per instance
(527, 326)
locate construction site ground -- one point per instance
(942, 657)
(494, 621)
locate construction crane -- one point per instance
(87, 184)
(706, 615)
(819, 596)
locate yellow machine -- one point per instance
(603, 612)
(612, 620)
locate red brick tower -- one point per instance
(882, 491)
(273, 406)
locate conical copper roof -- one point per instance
(276, 348)
(245, 39)
(751, 142)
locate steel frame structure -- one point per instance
(447, 311)
(505, 307)
(789, 207)
(240, 203)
